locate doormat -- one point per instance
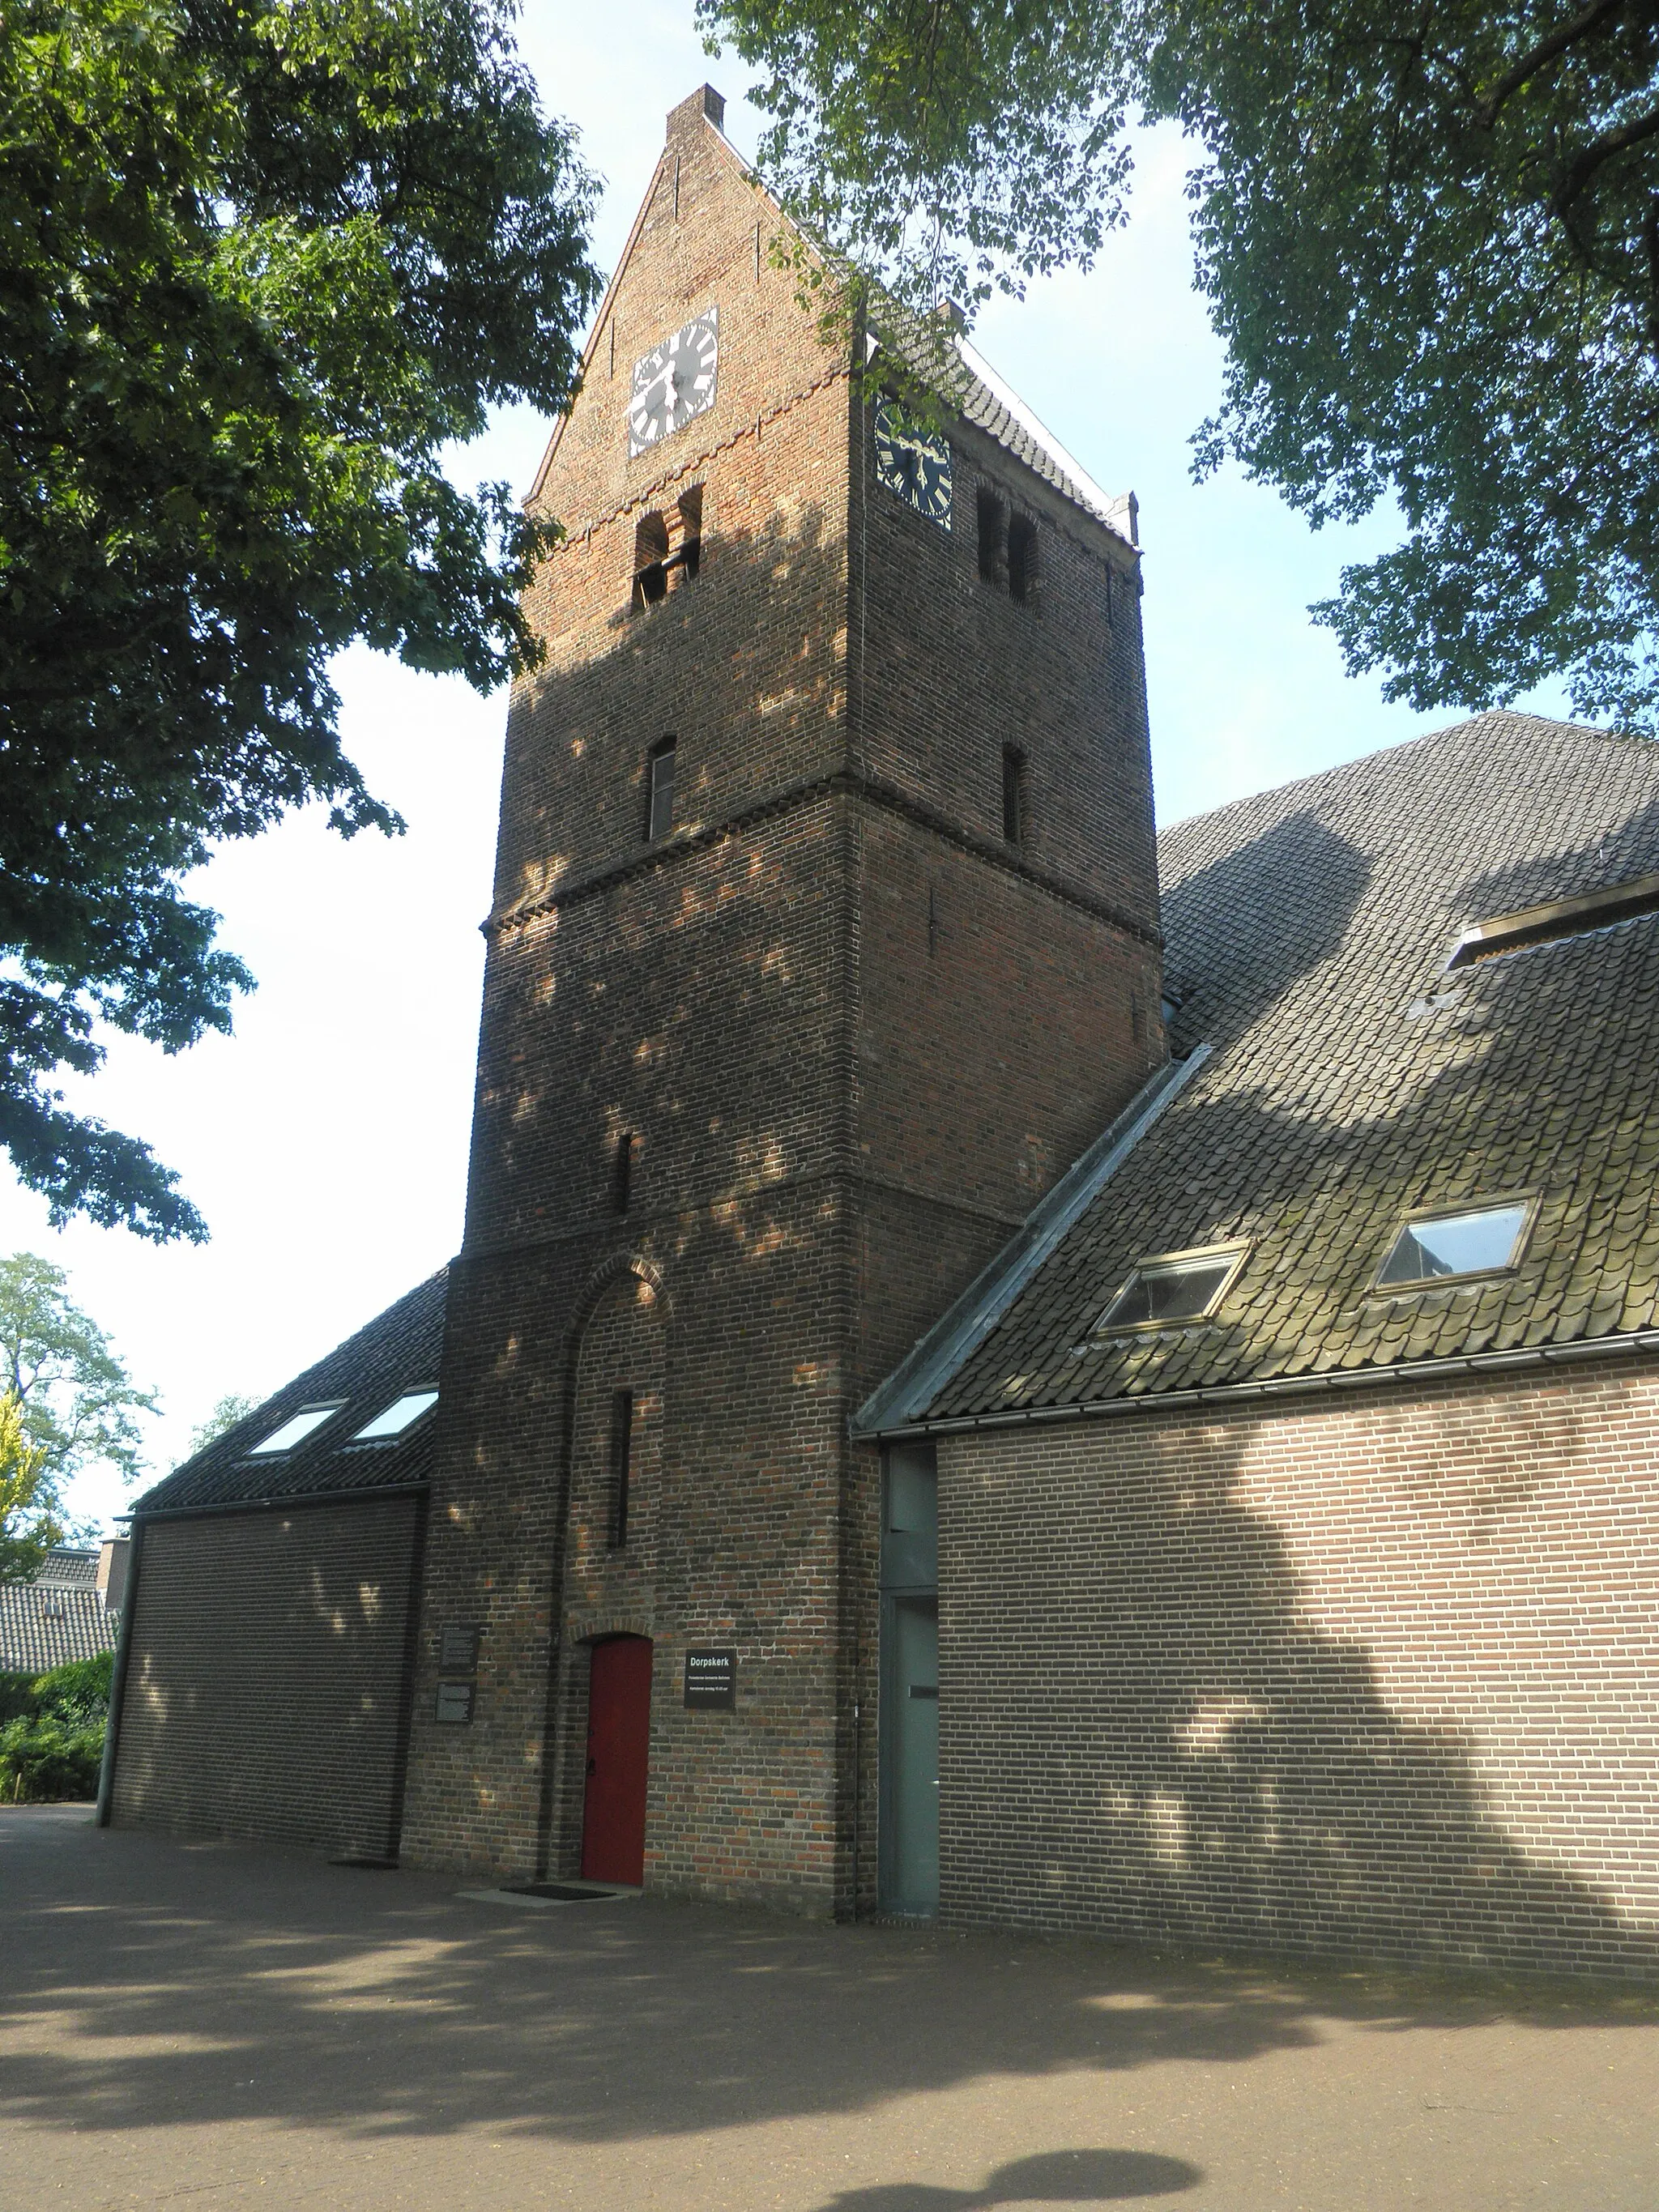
(560, 1892)
(369, 1866)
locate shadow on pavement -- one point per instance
(1056, 2177)
(146, 1983)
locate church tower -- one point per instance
(824, 936)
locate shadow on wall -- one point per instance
(1214, 1767)
(1166, 1746)
(597, 1012)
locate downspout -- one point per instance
(118, 1676)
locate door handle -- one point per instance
(592, 1765)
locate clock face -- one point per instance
(674, 382)
(912, 462)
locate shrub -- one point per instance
(51, 1731)
(41, 1759)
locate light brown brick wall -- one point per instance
(1377, 1672)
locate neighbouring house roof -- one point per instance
(44, 1623)
(398, 1352)
(67, 1567)
(1352, 1077)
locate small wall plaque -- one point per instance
(457, 1649)
(455, 1703)
(711, 1681)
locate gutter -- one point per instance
(1230, 1393)
(141, 1513)
(919, 1376)
(118, 1680)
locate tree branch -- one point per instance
(1548, 50)
(1597, 154)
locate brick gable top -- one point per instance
(936, 352)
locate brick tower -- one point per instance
(824, 938)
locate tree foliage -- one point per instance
(260, 265)
(77, 1406)
(229, 1410)
(28, 1527)
(1429, 238)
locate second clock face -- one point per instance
(674, 382)
(912, 462)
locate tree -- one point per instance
(224, 1416)
(77, 1404)
(27, 1529)
(1429, 239)
(264, 262)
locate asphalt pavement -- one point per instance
(202, 2026)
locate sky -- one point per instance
(326, 1140)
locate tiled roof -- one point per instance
(1350, 1078)
(66, 1568)
(397, 1352)
(43, 1624)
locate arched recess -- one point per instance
(611, 1512)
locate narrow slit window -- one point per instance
(1479, 1241)
(622, 1181)
(659, 811)
(1022, 558)
(685, 538)
(650, 561)
(1015, 795)
(622, 1465)
(1171, 1287)
(992, 529)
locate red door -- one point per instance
(618, 1746)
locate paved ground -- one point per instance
(207, 2026)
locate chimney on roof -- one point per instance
(113, 1571)
(950, 317)
(705, 105)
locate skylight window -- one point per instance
(1571, 917)
(402, 1413)
(1173, 1286)
(298, 1427)
(1481, 1241)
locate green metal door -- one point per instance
(912, 1856)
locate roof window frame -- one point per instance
(1553, 919)
(358, 1440)
(1528, 1200)
(325, 1408)
(1235, 1249)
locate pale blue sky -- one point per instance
(326, 1140)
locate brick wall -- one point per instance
(265, 1676)
(1378, 1673)
(856, 1032)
